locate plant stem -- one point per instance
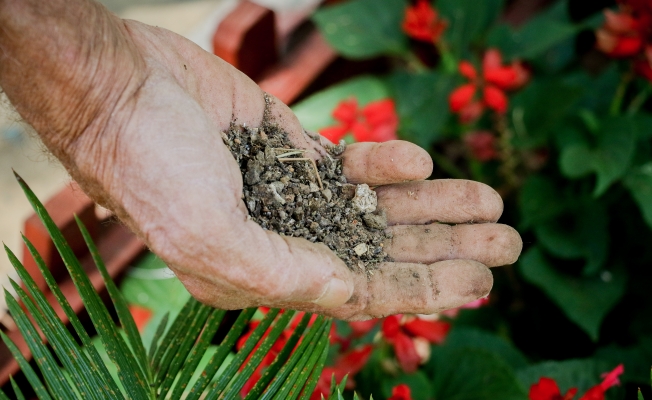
(508, 157)
(447, 166)
(413, 62)
(639, 100)
(617, 101)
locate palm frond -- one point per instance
(71, 366)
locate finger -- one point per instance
(445, 200)
(490, 244)
(384, 163)
(423, 289)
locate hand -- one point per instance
(137, 123)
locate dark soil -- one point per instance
(284, 194)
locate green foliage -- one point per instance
(466, 27)
(585, 301)
(536, 36)
(422, 104)
(477, 374)
(364, 28)
(177, 363)
(609, 158)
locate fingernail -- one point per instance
(337, 293)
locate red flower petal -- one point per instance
(433, 331)
(401, 392)
(382, 119)
(421, 22)
(492, 59)
(611, 377)
(471, 112)
(621, 23)
(406, 353)
(595, 393)
(346, 111)
(391, 327)
(495, 99)
(352, 362)
(468, 70)
(461, 97)
(570, 394)
(334, 133)
(545, 389)
(362, 132)
(627, 46)
(503, 77)
(643, 67)
(141, 316)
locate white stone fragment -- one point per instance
(313, 187)
(365, 199)
(360, 249)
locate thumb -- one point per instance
(307, 272)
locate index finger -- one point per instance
(384, 163)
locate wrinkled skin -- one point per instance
(135, 114)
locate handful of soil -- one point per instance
(287, 192)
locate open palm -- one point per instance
(138, 126)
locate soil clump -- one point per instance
(288, 193)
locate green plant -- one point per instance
(71, 366)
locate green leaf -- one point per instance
(639, 184)
(539, 108)
(222, 352)
(314, 113)
(585, 301)
(473, 338)
(198, 351)
(471, 374)
(581, 374)
(581, 232)
(313, 380)
(540, 200)
(121, 307)
(315, 332)
(609, 159)
(253, 341)
(280, 360)
(52, 374)
(63, 344)
(536, 36)
(33, 379)
(129, 371)
(467, 21)
(179, 350)
(364, 28)
(96, 360)
(17, 391)
(422, 104)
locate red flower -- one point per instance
(348, 364)
(482, 145)
(496, 78)
(401, 392)
(375, 122)
(361, 328)
(422, 22)
(404, 334)
(547, 389)
(141, 316)
(628, 33)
